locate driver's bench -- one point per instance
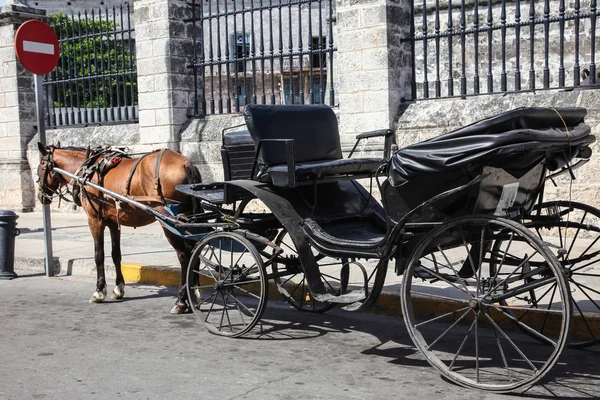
(300, 145)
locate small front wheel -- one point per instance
(227, 284)
(464, 324)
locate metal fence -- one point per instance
(262, 52)
(95, 81)
(475, 47)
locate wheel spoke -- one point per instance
(461, 346)
(441, 316)
(585, 320)
(526, 327)
(430, 346)
(440, 277)
(243, 305)
(512, 343)
(247, 292)
(579, 285)
(499, 344)
(462, 282)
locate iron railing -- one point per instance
(471, 47)
(261, 52)
(95, 81)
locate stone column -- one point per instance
(164, 48)
(374, 65)
(17, 113)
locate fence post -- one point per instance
(17, 114)
(164, 49)
(375, 70)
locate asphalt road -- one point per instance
(56, 345)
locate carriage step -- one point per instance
(346, 298)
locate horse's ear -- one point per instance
(57, 145)
(42, 149)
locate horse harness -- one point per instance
(99, 162)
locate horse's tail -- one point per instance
(193, 176)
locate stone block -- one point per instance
(147, 118)
(377, 101)
(374, 59)
(143, 49)
(152, 29)
(154, 100)
(589, 99)
(8, 85)
(348, 19)
(161, 47)
(3, 130)
(161, 82)
(373, 15)
(349, 61)
(351, 103)
(152, 66)
(9, 114)
(145, 83)
(367, 38)
(363, 81)
(157, 134)
(367, 121)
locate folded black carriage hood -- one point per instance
(515, 139)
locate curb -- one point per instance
(388, 303)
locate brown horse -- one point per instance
(142, 180)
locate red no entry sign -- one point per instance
(37, 47)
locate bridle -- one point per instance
(47, 164)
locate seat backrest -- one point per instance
(238, 155)
(313, 128)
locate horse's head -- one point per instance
(49, 181)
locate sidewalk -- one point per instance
(147, 257)
(73, 248)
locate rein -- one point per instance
(47, 163)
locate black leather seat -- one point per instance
(317, 152)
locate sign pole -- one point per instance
(39, 106)
(38, 50)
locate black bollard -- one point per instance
(8, 232)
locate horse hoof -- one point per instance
(98, 297)
(179, 308)
(119, 291)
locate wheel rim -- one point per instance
(226, 284)
(294, 287)
(573, 234)
(465, 326)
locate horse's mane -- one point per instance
(73, 148)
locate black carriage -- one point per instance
(461, 217)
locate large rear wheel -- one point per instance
(465, 325)
(572, 231)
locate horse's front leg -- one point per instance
(97, 229)
(115, 242)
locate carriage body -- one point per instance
(472, 191)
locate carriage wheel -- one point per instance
(465, 325)
(572, 231)
(294, 287)
(226, 284)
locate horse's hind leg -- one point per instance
(97, 229)
(115, 241)
(183, 255)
